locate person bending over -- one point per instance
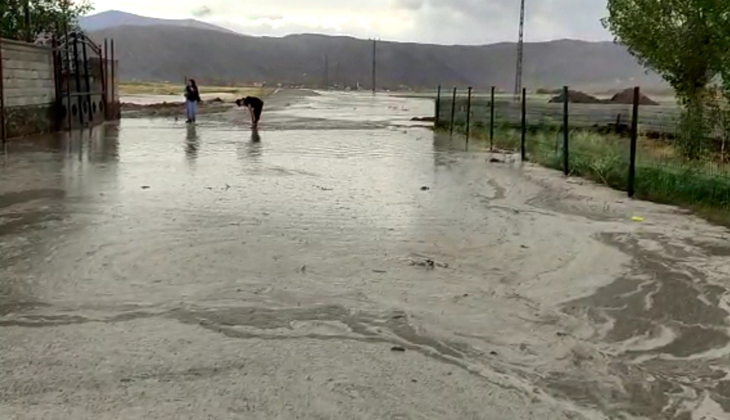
(255, 107)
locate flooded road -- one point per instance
(344, 263)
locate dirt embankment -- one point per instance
(172, 109)
(625, 97)
(576, 97)
(274, 98)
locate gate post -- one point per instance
(113, 83)
(106, 80)
(87, 81)
(78, 79)
(2, 97)
(57, 64)
(68, 79)
(102, 80)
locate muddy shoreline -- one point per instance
(159, 107)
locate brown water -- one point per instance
(156, 270)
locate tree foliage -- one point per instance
(672, 37)
(44, 17)
(684, 41)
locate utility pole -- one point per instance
(326, 72)
(520, 53)
(375, 54)
(338, 76)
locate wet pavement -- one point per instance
(343, 262)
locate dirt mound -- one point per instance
(576, 97)
(546, 91)
(626, 97)
(171, 109)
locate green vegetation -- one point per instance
(663, 174)
(27, 19)
(686, 42)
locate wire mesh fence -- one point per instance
(599, 141)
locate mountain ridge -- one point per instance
(115, 18)
(169, 52)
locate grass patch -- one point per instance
(661, 174)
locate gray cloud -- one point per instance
(437, 21)
(265, 17)
(484, 21)
(410, 4)
(202, 12)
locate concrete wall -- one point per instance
(28, 88)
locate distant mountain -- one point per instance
(170, 53)
(114, 18)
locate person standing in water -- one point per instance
(255, 107)
(192, 98)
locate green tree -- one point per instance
(719, 21)
(676, 39)
(27, 19)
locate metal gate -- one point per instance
(83, 97)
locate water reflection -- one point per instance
(192, 142)
(447, 147)
(444, 147)
(104, 143)
(253, 149)
(97, 145)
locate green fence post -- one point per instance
(468, 115)
(524, 125)
(438, 106)
(634, 135)
(491, 121)
(453, 111)
(566, 133)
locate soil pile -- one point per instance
(576, 97)
(626, 97)
(545, 91)
(172, 109)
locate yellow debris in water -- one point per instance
(637, 219)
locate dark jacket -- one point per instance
(192, 94)
(253, 102)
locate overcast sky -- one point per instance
(438, 21)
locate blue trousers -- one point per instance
(192, 107)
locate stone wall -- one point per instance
(28, 88)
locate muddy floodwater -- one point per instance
(344, 263)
